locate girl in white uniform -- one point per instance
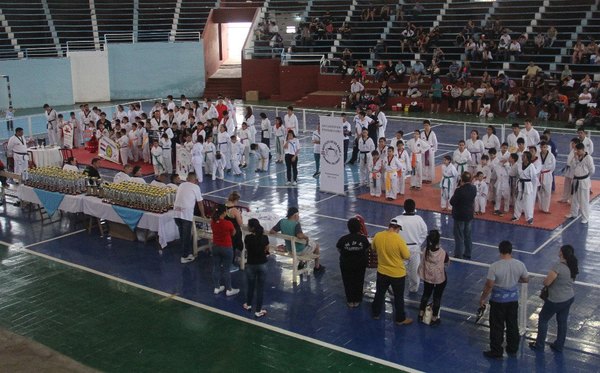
(265, 130)
(391, 165)
(502, 186)
(165, 144)
(476, 148)
(209, 151)
(490, 140)
(245, 140)
(250, 121)
(461, 158)
(406, 168)
(482, 192)
(223, 146)
(548, 165)
(527, 187)
(417, 148)
(157, 158)
(448, 182)
(429, 156)
(375, 167)
(198, 158)
(237, 151)
(568, 172)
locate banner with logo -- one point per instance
(108, 149)
(332, 155)
(67, 136)
(183, 161)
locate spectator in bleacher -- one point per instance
(290, 226)
(380, 71)
(367, 14)
(578, 52)
(413, 86)
(591, 52)
(504, 45)
(539, 43)
(465, 72)
(347, 56)
(436, 95)
(384, 12)
(327, 18)
(470, 50)
(566, 72)
(466, 97)
(453, 71)
(434, 36)
(568, 85)
(481, 46)
(390, 71)
(433, 70)
(343, 69)
(438, 55)
(514, 49)
(422, 41)
(468, 29)
(328, 30)
(486, 57)
(581, 107)
(531, 72)
(454, 93)
(489, 96)
(345, 30)
(407, 37)
(379, 49)
(356, 92)
(399, 12)
(539, 88)
(383, 93)
(461, 39)
(417, 9)
(551, 34)
(478, 97)
(273, 28)
(400, 70)
(488, 28)
(524, 101)
(418, 68)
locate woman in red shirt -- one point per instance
(222, 251)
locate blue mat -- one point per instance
(50, 200)
(130, 217)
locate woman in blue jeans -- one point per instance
(222, 251)
(257, 246)
(560, 298)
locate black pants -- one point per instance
(185, 236)
(353, 276)
(291, 167)
(354, 152)
(438, 291)
(501, 315)
(266, 141)
(346, 146)
(383, 283)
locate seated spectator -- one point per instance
(578, 51)
(486, 57)
(504, 45)
(418, 68)
(422, 41)
(514, 49)
(436, 95)
(390, 71)
(380, 71)
(328, 30)
(470, 50)
(383, 93)
(379, 49)
(591, 52)
(438, 55)
(489, 96)
(433, 70)
(524, 100)
(454, 93)
(586, 82)
(400, 69)
(500, 82)
(539, 43)
(551, 34)
(407, 37)
(468, 29)
(480, 47)
(413, 86)
(273, 28)
(565, 73)
(434, 36)
(384, 12)
(581, 107)
(359, 71)
(291, 226)
(346, 31)
(531, 72)
(368, 14)
(478, 97)
(465, 72)
(466, 97)
(454, 71)
(356, 92)
(343, 69)
(347, 56)
(568, 84)
(461, 38)
(417, 9)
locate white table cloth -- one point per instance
(163, 224)
(70, 203)
(49, 156)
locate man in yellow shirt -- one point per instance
(392, 251)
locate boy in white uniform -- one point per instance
(198, 159)
(461, 158)
(417, 148)
(237, 151)
(262, 152)
(406, 169)
(51, 124)
(245, 141)
(209, 150)
(391, 166)
(132, 135)
(291, 121)
(365, 147)
(157, 158)
(448, 182)
(123, 143)
(265, 130)
(316, 140)
(165, 144)
(218, 169)
(568, 172)
(399, 136)
(375, 167)
(527, 186)
(482, 191)
(548, 163)
(476, 148)
(223, 146)
(532, 136)
(501, 186)
(511, 139)
(583, 170)
(429, 162)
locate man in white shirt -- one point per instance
(356, 91)
(583, 170)
(188, 195)
(511, 139)
(123, 175)
(587, 143)
(414, 232)
(17, 148)
(532, 136)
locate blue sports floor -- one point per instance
(317, 308)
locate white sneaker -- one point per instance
(188, 259)
(231, 292)
(288, 183)
(584, 221)
(569, 216)
(294, 183)
(219, 290)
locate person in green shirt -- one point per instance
(392, 251)
(436, 95)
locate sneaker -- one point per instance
(584, 221)
(288, 183)
(514, 219)
(569, 216)
(187, 259)
(491, 355)
(294, 183)
(530, 221)
(406, 321)
(260, 313)
(219, 290)
(232, 292)
(247, 307)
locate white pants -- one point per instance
(279, 141)
(218, 170)
(52, 137)
(566, 196)
(167, 160)
(402, 183)
(197, 164)
(524, 205)
(391, 184)
(581, 201)
(447, 187)
(364, 159)
(263, 163)
(412, 268)
(235, 165)
(502, 193)
(208, 163)
(135, 153)
(20, 163)
(417, 177)
(544, 193)
(375, 184)
(246, 152)
(429, 171)
(124, 152)
(480, 202)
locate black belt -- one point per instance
(575, 183)
(19, 153)
(523, 181)
(411, 244)
(367, 152)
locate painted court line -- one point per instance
(56, 238)
(223, 313)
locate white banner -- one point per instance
(183, 161)
(67, 136)
(332, 155)
(108, 149)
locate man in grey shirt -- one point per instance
(502, 282)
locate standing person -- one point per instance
(448, 183)
(124, 150)
(502, 282)
(316, 140)
(222, 251)
(527, 189)
(51, 124)
(234, 215)
(560, 298)
(291, 121)
(391, 254)
(208, 151)
(365, 147)
(198, 157)
(414, 232)
(476, 149)
(157, 158)
(10, 116)
(17, 150)
(347, 131)
(353, 249)
(583, 169)
(429, 163)
(280, 137)
(568, 171)
(187, 195)
(432, 271)
(292, 151)
(265, 130)
(585, 140)
(374, 168)
(548, 165)
(490, 140)
(257, 247)
(463, 206)
(532, 136)
(165, 144)
(402, 155)
(250, 121)
(417, 148)
(391, 166)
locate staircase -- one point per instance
(227, 87)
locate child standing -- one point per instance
(568, 172)
(417, 148)
(448, 183)
(237, 150)
(365, 147)
(502, 186)
(198, 157)
(157, 159)
(482, 192)
(280, 135)
(461, 158)
(209, 151)
(406, 168)
(391, 165)
(375, 174)
(223, 146)
(218, 169)
(165, 144)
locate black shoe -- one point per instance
(301, 265)
(436, 322)
(17, 204)
(319, 270)
(491, 355)
(554, 348)
(468, 257)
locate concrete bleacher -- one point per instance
(193, 15)
(155, 18)
(28, 23)
(72, 20)
(114, 16)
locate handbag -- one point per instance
(544, 293)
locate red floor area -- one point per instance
(428, 198)
(85, 158)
